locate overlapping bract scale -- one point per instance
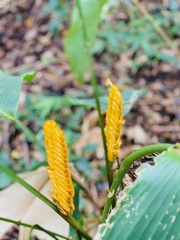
(58, 169)
(114, 122)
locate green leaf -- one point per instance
(30, 136)
(91, 147)
(4, 159)
(9, 93)
(129, 98)
(53, 103)
(28, 77)
(5, 180)
(160, 56)
(75, 42)
(151, 208)
(83, 165)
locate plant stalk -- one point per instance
(31, 189)
(126, 164)
(37, 227)
(96, 95)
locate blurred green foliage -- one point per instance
(9, 95)
(84, 24)
(59, 11)
(134, 34)
(131, 32)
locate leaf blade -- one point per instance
(129, 98)
(75, 44)
(10, 87)
(151, 205)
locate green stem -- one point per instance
(27, 132)
(68, 219)
(126, 164)
(95, 89)
(108, 163)
(37, 227)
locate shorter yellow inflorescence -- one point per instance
(114, 122)
(58, 169)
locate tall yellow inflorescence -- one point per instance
(58, 169)
(114, 122)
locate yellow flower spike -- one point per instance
(58, 169)
(114, 122)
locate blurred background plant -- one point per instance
(125, 29)
(59, 12)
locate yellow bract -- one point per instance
(114, 122)
(58, 169)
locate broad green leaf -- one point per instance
(54, 103)
(88, 103)
(129, 98)
(75, 41)
(151, 208)
(9, 93)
